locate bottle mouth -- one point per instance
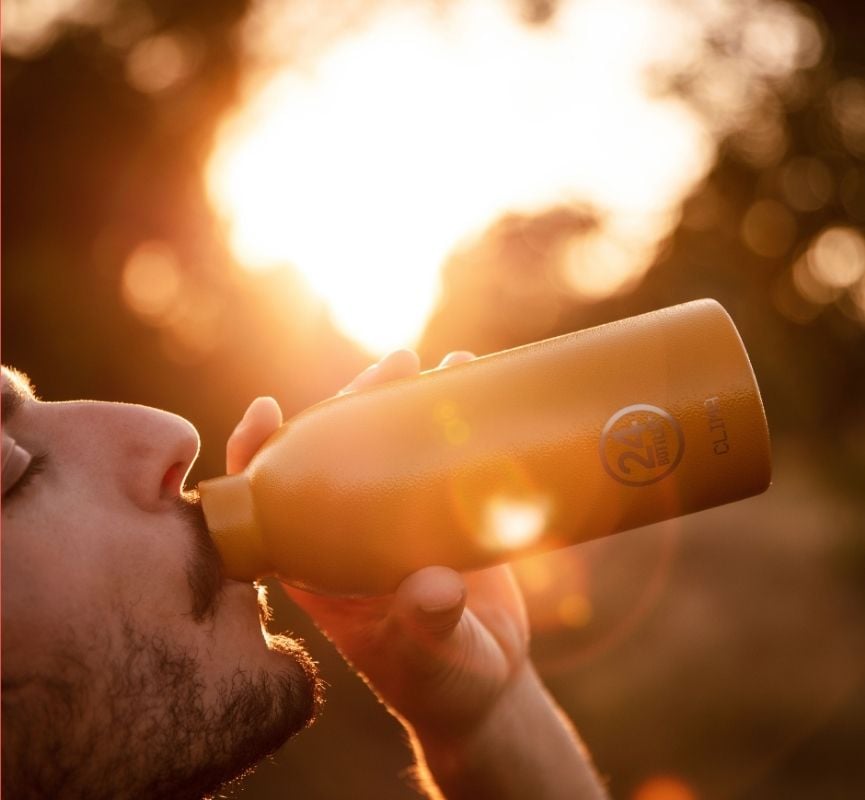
(229, 513)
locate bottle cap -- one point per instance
(229, 512)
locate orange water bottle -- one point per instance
(534, 448)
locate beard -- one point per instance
(143, 727)
(129, 713)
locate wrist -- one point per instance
(451, 744)
(521, 746)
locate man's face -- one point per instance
(130, 668)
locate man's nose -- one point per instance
(154, 451)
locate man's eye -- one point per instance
(36, 466)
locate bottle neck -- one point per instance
(229, 510)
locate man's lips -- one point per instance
(204, 567)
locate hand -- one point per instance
(443, 648)
(449, 655)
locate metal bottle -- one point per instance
(534, 448)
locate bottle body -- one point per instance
(542, 446)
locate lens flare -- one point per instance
(512, 523)
(664, 787)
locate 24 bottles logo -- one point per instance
(641, 444)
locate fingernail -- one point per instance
(438, 610)
(442, 607)
(371, 369)
(456, 356)
(439, 620)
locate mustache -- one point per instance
(204, 568)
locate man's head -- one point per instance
(130, 668)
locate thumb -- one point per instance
(431, 602)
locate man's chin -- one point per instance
(307, 688)
(303, 668)
(269, 709)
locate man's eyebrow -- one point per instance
(12, 401)
(16, 389)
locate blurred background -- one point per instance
(206, 201)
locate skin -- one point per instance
(113, 614)
(102, 633)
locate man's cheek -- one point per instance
(143, 562)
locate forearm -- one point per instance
(524, 747)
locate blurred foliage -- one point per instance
(95, 165)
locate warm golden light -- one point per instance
(664, 787)
(837, 257)
(30, 27)
(811, 289)
(161, 62)
(575, 610)
(601, 263)
(155, 286)
(367, 168)
(511, 523)
(151, 280)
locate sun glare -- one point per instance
(511, 523)
(366, 168)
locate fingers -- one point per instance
(261, 419)
(456, 357)
(430, 602)
(398, 364)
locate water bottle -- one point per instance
(538, 447)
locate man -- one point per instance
(131, 668)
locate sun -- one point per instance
(366, 169)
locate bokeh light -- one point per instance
(836, 258)
(575, 610)
(151, 280)
(831, 270)
(664, 787)
(155, 286)
(30, 26)
(809, 287)
(161, 62)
